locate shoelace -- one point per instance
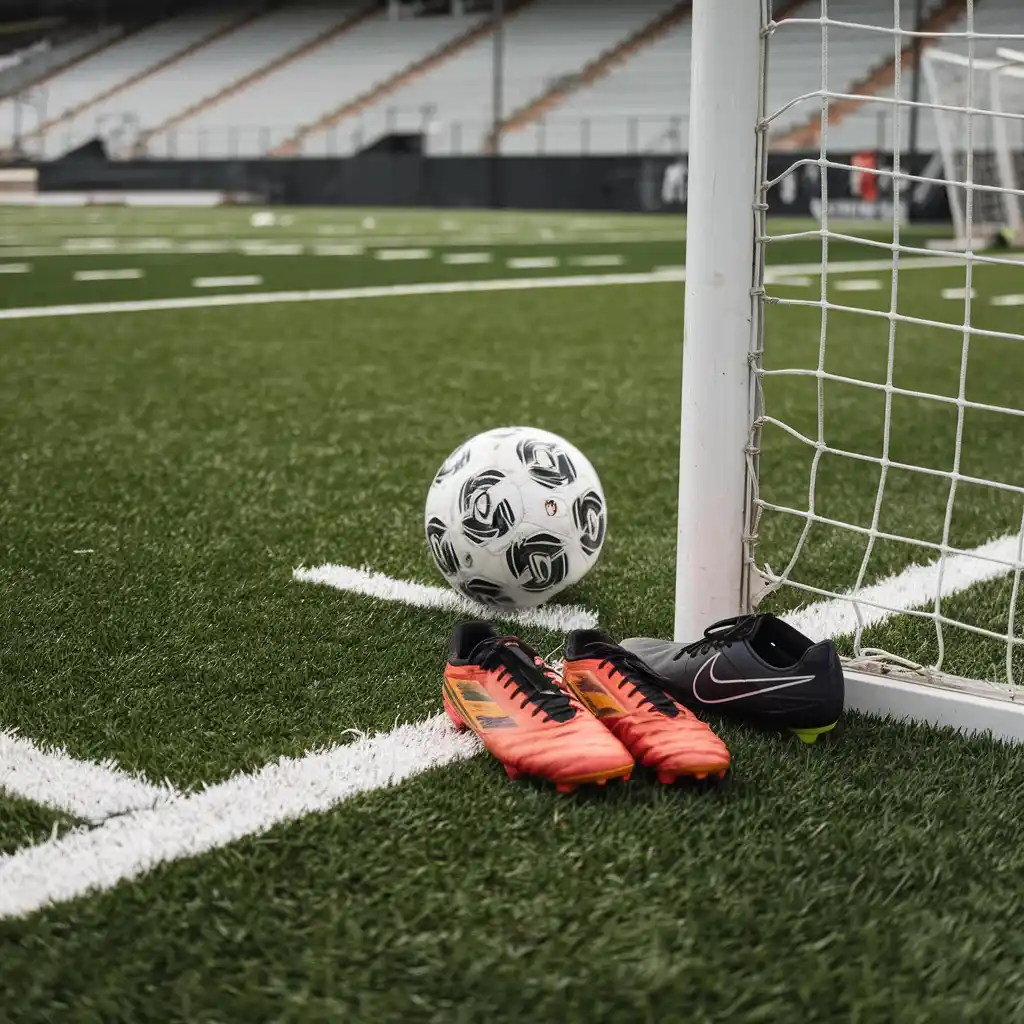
(720, 634)
(523, 668)
(635, 670)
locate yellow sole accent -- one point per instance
(810, 735)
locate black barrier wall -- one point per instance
(643, 184)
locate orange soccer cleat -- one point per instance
(503, 691)
(625, 694)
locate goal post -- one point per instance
(739, 356)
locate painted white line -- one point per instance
(128, 274)
(1008, 300)
(660, 275)
(403, 254)
(460, 258)
(156, 245)
(241, 281)
(271, 248)
(859, 284)
(128, 846)
(340, 294)
(957, 293)
(84, 551)
(206, 245)
(326, 249)
(89, 244)
(84, 789)
(15, 268)
(532, 262)
(914, 587)
(788, 282)
(557, 617)
(610, 260)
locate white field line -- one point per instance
(128, 274)
(339, 294)
(15, 268)
(272, 248)
(532, 262)
(660, 275)
(914, 587)
(239, 281)
(465, 258)
(558, 617)
(201, 246)
(611, 259)
(801, 281)
(1008, 300)
(859, 284)
(128, 846)
(403, 254)
(957, 293)
(83, 789)
(328, 249)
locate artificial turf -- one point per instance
(166, 471)
(23, 823)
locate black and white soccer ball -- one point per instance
(515, 515)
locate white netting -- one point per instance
(888, 424)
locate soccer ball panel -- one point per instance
(514, 515)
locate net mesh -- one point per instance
(887, 484)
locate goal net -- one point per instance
(852, 413)
(978, 109)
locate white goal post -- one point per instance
(729, 427)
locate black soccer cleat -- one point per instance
(754, 667)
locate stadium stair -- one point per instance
(292, 146)
(808, 135)
(597, 68)
(126, 83)
(350, 22)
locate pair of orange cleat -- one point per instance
(606, 712)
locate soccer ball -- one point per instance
(515, 515)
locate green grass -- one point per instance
(166, 471)
(23, 823)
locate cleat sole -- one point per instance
(564, 787)
(666, 778)
(810, 735)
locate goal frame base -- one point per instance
(880, 694)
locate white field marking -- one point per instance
(957, 293)
(556, 617)
(339, 294)
(327, 249)
(609, 260)
(89, 244)
(84, 789)
(15, 268)
(128, 274)
(126, 847)
(914, 587)
(859, 284)
(403, 254)
(84, 551)
(272, 248)
(1007, 300)
(788, 282)
(241, 281)
(206, 245)
(532, 262)
(460, 258)
(161, 245)
(659, 275)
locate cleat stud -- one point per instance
(701, 775)
(565, 787)
(512, 773)
(666, 778)
(723, 773)
(625, 778)
(810, 735)
(602, 782)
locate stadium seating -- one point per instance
(274, 108)
(543, 42)
(73, 113)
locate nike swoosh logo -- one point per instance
(751, 687)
